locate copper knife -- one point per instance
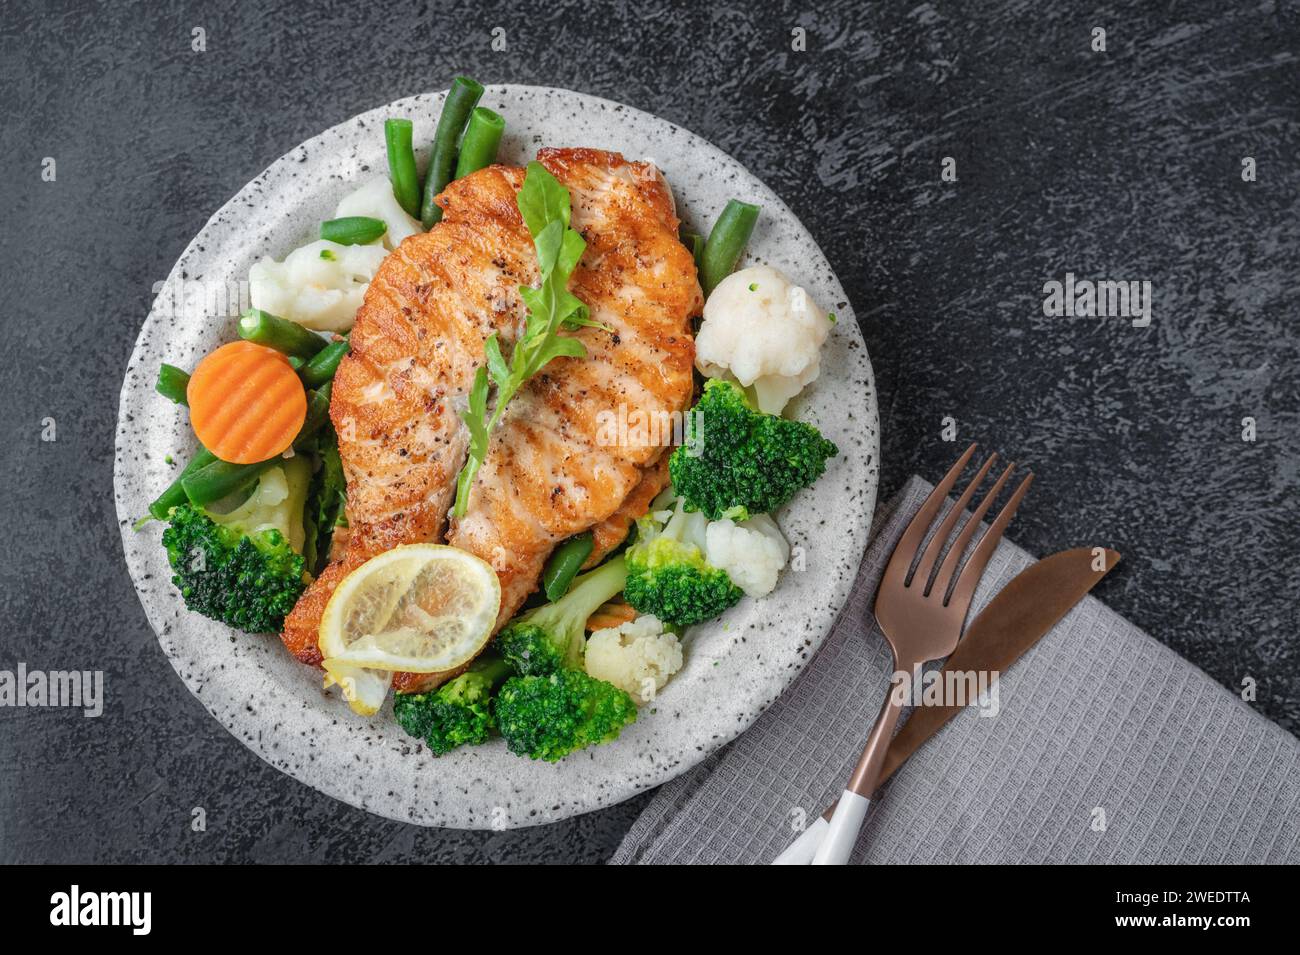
(1012, 622)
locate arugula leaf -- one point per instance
(542, 200)
(476, 420)
(545, 207)
(575, 322)
(496, 365)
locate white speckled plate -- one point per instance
(736, 666)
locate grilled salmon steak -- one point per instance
(576, 441)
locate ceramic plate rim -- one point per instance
(468, 800)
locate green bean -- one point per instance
(221, 478)
(318, 412)
(564, 565)
(172, 383)
(727, 240)
(461, 100)
(174, 496)
(482, 137)
(284, 336)
(353, 230)
(695, 242)
(401, 165)
(325, 363)
(218, 478)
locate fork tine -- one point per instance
(930, 559)
(947, 573)
(908, 545)
(979, 558)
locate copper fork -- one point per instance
(921, 612)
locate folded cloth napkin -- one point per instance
(1107, 747)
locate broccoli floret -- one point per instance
(552, 636)
(668, 574)
(459, 712)
(241, 568)
(548, 717)
(250, 583)
(737, 457)
(553, 708)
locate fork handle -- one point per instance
(841, 833)
(852, 807)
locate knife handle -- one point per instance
(802, 850)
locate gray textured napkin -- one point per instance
(1108, 748)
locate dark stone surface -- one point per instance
(1117, 165)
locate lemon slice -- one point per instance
(364, 689)
(419, 608)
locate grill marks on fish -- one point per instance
(416, 343)
(551, 471)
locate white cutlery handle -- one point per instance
(801, 851)
(842, 832)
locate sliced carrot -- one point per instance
(612, 614)
(247, 404)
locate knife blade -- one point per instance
(1016, 618)
(1019, 616)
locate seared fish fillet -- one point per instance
(416, 342)
(613, 530)
(575, 441)
(561, 461)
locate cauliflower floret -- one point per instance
(375, 199)
(637, 656)
(320, 285)
(277, 503)
(752, 552)
(765, 332)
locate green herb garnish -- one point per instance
(327, 255)
(544, 204)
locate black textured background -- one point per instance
(1122, 165)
